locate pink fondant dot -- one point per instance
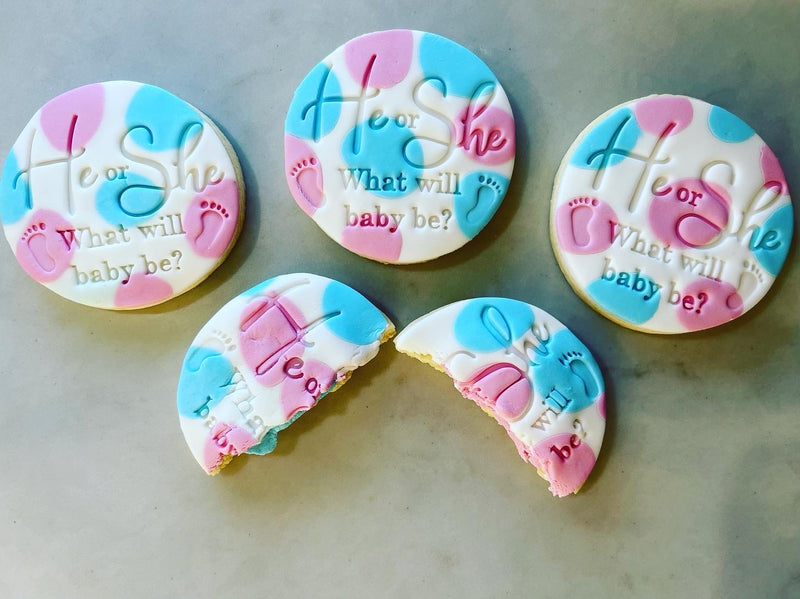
(688, 213)
(656, 113)
(225, 440)
(502, 387)
(305, 382)
(270, 334)
(706, 303)
(772, 171)
(70, 120)
(566, 460)
(142, 290)
(385, 54)
(378, 243)
(486, 134)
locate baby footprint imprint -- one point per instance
(212, 219)
(307, 175)
(488, 192)
(749, 281)
(581, 214)
(36, 242)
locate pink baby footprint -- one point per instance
(584, 225)
(45, 248)
(212, 219)
(750, 280)
(304, 174)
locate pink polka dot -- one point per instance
(486, 134)
(270, 334)
(45, 248)
(772, 171)
(70, 120)
(380, 59)
(306, 381)
(378, 243)
(142, 290)
(706, 303)
(688, 213)
(225, 440)
(212, 219)
(585, 225)
(566, 460)
(303, 174)
(657, 113)
(503, 388)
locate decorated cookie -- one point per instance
(400, 145)
(267, 357)
(120, 195)
(522, 366)
(670, 215)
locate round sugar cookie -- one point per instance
(670, 215)
(529, 372)
(400, 145)
(120, 195)
(268, 356)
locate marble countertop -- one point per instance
(396, 486)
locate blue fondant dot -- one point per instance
(158, 120)
(128, 201)
(481, 195)
(462, 72)
(770, 242)
(609, 142)
(14, 191)
(316, 105)
(204, 381)
(728, 127)
(489, 324)
(385, 161)
(566, 375)
(354, 318)
(628, 296)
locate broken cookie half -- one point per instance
(267, 357)
(530, 372)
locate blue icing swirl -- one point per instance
(352, 316)
(565, 374)
(609, 142)
(728, 127)
(128, 201)
(481, 195)
(204, 381)
(628, 296)
(462, 72)
(316, 105)
(770, 242)
(383, 159)
(489, 324)
(158, 120)
(15, 194)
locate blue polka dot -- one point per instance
(354, 318)
(205, 378)
(481, 195)
(128, 201)
(158, 120)
(609, 142)
(15, 194)
(385, 160)
(770, 242)
(565, 374)
(489, 324)
(628, 296)
(316, 106)
(462, 72)
(727, 126)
